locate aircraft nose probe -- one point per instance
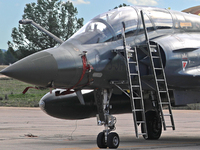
(28, 21)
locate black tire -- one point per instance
(101, 140)
(154, 125)
(113, 140)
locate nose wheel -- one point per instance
(112, 140)
(101, 143)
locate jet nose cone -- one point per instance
(38, 69)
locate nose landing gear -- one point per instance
(106, 138)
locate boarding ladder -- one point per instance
(134, 86)
(162, 92)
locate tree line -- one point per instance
(7, 57)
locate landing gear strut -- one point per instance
(106, 138)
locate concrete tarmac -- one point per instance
(31, 129)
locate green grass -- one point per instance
(11, 94)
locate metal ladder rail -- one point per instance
(144, 132)
(156, 79)
(132, 86)
(164, 91)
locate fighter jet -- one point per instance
(132, 59)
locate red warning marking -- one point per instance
(184, 64)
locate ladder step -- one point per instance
(158, 68)
(160, 80)
(164, 103)
(140, 121)
(137, 110)
(167, 114)
(134, 74)
(137, 98)
(155, 57)
(132, 62)
(163, 91)
(135, 86)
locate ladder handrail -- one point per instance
(144, 27)
(155, 76)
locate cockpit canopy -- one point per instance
(108, 26)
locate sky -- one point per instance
(11, 11)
